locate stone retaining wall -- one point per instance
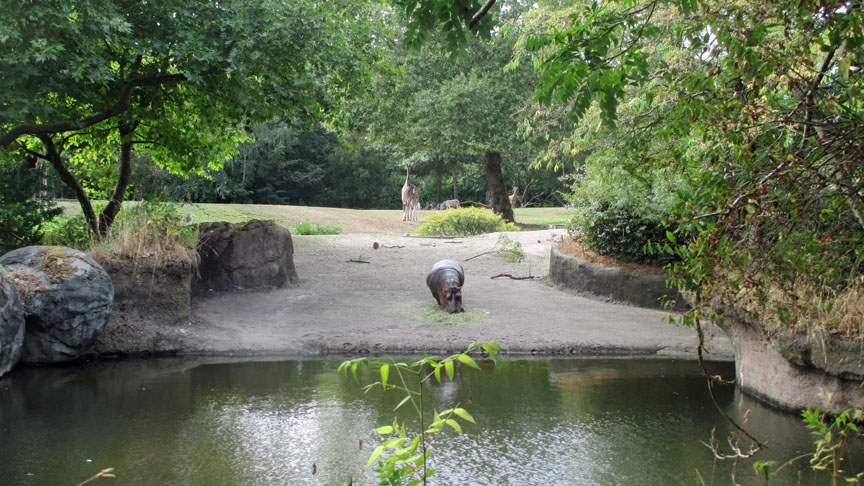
(762, 370)
(642, 290)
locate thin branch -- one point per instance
(480, 13)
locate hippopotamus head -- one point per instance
(450, 298)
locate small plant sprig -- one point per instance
(400, 457)
(832, 441)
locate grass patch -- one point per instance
(149, 231)
(416, 312)
(542, 216)
(308, 228)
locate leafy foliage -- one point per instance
(611, 230)
(400, 457)
(753, 112)
(86, 81)
(463, 222)
(22, 217)
(833, 437)
(66, 231)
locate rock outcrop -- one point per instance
(11, 324)
(794, 374)
(66, 297)
(243, 256)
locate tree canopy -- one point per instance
(85, 81)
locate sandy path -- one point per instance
(341, 306)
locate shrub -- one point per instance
(510, 250)
(615, 231)
(307, 228)
(68, 231)
(21, 216)
(153, 231)
(463, 222)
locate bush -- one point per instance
(153, 231)
(68, 231)
(21, 216)
(615, 231)
(307, 228)
(463, 222)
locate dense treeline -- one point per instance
(288, 165)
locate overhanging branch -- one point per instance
(122, 104)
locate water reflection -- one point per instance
(205, 422)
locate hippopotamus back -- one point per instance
(445, 280)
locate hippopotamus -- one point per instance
(445, 280)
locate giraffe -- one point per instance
(406, 190)
(410, 197)
(513, 197)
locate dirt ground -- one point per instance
(382, 305)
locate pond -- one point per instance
(539, 422)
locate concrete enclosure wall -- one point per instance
(641, 290)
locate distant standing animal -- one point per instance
(445, 280)
(450, 203)
(513, 197)
(410, 198)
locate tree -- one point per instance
(465, 103)
(755, 111)
(85, 82)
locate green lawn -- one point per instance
(368, 221)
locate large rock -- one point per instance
(66, 298)
(11, 324)
(242, 256)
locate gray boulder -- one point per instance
(11, 323)
(242, 256)
(66, 297)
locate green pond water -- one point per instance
(539, 422)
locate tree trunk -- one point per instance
(106, 219)
(438, 178)
(495, 184)
(52, 155)
(455, 183)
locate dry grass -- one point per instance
(576, 248)
(149, 232)
(807, 309)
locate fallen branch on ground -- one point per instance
(512, 277)
(481, 254)
(357, 261)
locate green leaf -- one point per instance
(671, 237)
(407, 397)
(448, 365)
(462, 413)
(467, 360)
(384, 430)
(454, 424)
(375, 455)
(385, 373)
